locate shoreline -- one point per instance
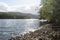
(44, 33)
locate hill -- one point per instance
(17, 15)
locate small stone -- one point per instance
(39, 39)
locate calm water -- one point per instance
(14, 27)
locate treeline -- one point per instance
(50, 11)
(12, 15)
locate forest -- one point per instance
(17, 15)
(50, 11)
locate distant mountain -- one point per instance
(17, 15)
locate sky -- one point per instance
(25, 6)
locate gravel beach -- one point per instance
(45, 33)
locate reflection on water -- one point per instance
(14, 27)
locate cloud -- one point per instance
(27, 8)
(3, 6)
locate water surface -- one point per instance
(16, 27)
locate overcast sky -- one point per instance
(26, 6)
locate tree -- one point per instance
(46, 10)
(50, 11)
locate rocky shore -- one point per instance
(45, 33)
